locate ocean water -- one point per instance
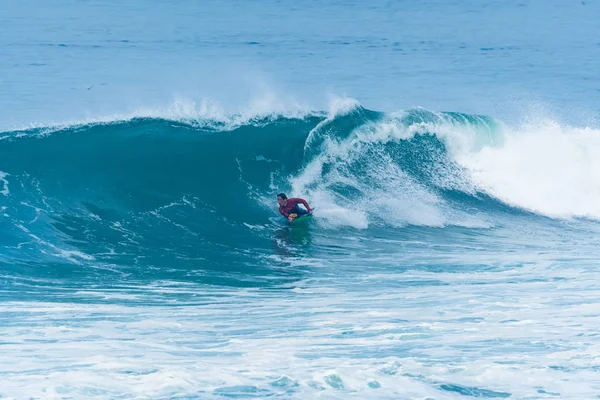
(451, 151)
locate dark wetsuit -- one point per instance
(292, 207)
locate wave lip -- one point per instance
(203, 114)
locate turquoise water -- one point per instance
(450, 150)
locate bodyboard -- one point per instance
(302, 220)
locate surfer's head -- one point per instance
(282, 199)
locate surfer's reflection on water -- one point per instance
(292, 241)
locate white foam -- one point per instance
(386, 192)
(540, 165)
(334, 215)
(500, 331)
(340, 106)
(544, 167)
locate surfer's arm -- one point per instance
(286, 214)
(304, 203)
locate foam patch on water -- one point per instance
(506, 333)
(4, 181)
(74, 256)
